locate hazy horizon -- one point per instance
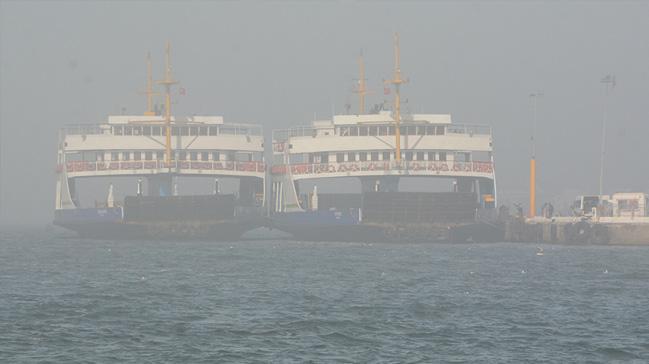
(280, 63)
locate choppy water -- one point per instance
(69, 300)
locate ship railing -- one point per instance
(284, 135)
(214, 129)
(468, 129)
(102, 166)
(484, 167)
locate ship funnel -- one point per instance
(110, 200)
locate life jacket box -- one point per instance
(179, 208)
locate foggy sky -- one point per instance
(279, 63)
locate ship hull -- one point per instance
(177, 231)
(310, 226)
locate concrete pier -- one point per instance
(579, 230)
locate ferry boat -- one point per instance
(160, 149)
(379, 149)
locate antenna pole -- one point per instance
(167, 82)
(149, 87)
(362, 90)
(397, 81)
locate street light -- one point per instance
(609, 84)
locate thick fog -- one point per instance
(281, 63)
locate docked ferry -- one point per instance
(378, 150)
(156, 152)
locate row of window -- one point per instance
(160, 155)
(341, 157)
(158, 130)
(374, 130)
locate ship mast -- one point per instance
(362, 88)
(397, 81)
(149, 87)
(167, 82)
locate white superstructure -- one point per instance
(363, 146)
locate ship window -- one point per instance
(421, 130)
(383, 130)
(160, 155)
(148, 155)
(146, 130)
(363, 131)
(212, 130)
(374, 130)
(137, 130)
(390, 130)
(386, 156)
(353, 131)
(340, 157)
(174, 131)
(184, 131)
(193, 130)
(311, 158)
(230, 156)
(243, 157)
(205, 156)
(202, 130)
(182, 156)
(431, 156)
(440, 130)
(114, 156)
(128, 130)
(156, 130)
(442, 156)
(137, 156)
(374, 156)
(193, 156)
(324, 157)
(126, 156)
(351, 157)
(362, 156)
(403, 130)
(216, 155)
(408, 156)
(344, 131)
(420, 156)
(117, 130)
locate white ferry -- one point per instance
(380, 149)
(158, 149)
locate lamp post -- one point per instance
(609, 84)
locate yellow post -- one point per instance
(532, 187)
(167, 82)
(397, 81)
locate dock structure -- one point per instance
(579, 230)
